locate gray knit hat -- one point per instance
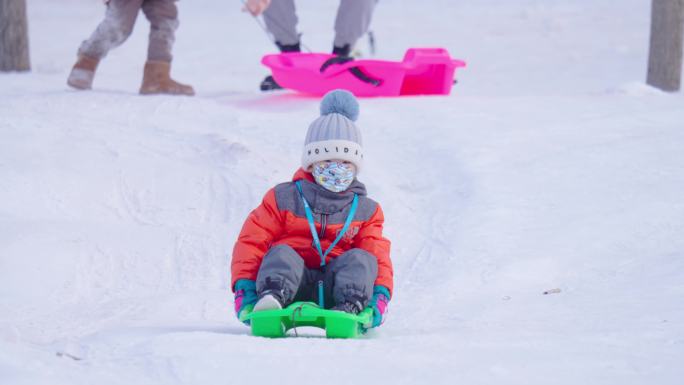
(334, 135)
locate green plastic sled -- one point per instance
(337, 324)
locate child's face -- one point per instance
(335, 175)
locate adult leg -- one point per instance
(350, 278)
(113, 30)
(352, 22)
(163, 17)
(110, 33)
(281, 20)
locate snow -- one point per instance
(551, 166)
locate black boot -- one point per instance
(269, 84)
(344, 51)
(351, 304)
(347, 307)
(271, 296)
(288, 47)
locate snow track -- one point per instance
(549, 167)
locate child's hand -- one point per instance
(245, 297)
(379, 304)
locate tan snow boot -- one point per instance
(157, 80)
(83, 72)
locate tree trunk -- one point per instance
(665, 53)
(14, 48)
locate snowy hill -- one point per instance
(550, 166)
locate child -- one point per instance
(324, 211)
(115, 29)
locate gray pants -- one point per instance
(353, 19)
(118, 25)
(349, 276)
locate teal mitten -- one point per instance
(245, 297)
(379, 303)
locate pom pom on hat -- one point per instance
(333, 135)
(341, 102)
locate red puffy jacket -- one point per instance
(280, 219)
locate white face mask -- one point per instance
(334, 175)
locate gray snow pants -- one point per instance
(118, 25)
(352, 21)
(350, 275)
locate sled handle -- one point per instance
(354, 70)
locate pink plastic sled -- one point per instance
(424, 71)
